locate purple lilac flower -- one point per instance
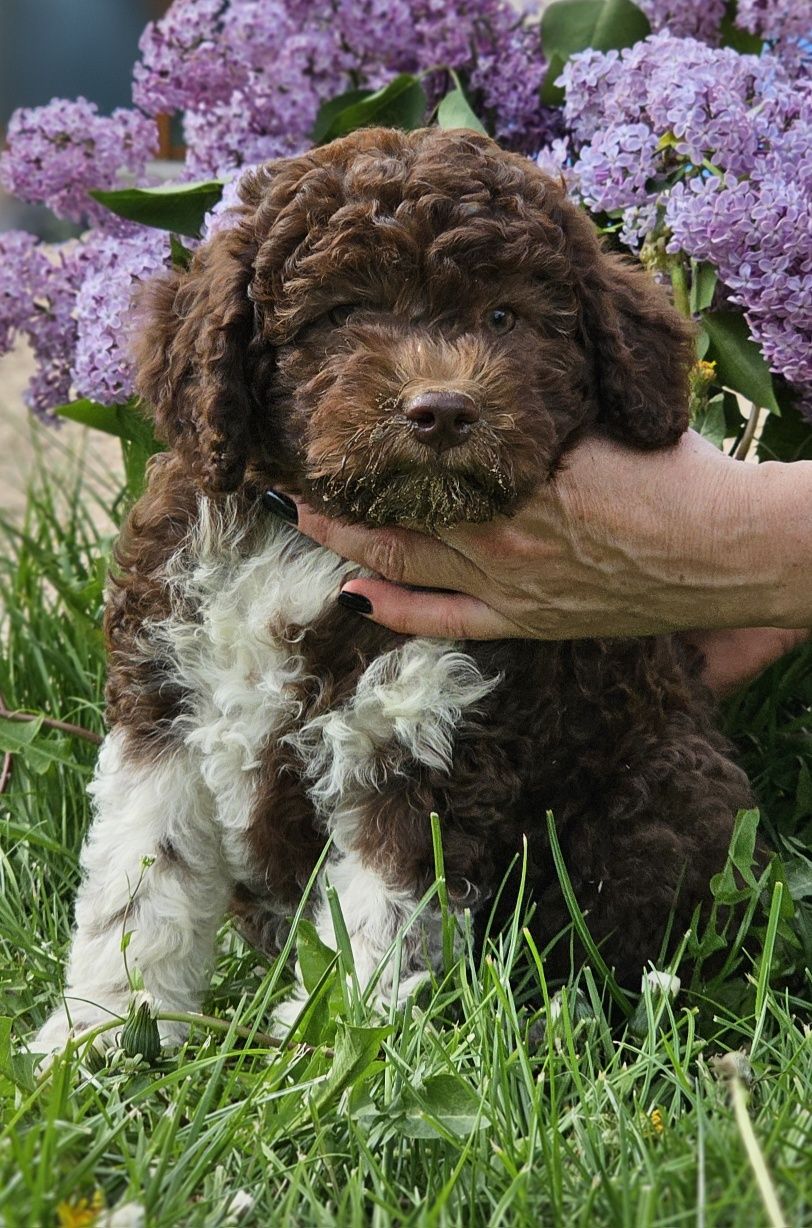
(757, 230)
(677, 105)
(786, 24)
(691, 18)
(250, 75)
(615, 166)
(758, 233)
(182, 62)
(37, 296)
(223, 215)
(113, 266)
(271, 114)
(58, 152)
(706, 97)
(555, 158)
(23, 267)
(507, 74)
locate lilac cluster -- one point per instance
(249, 75)
(757, 231)
(703, 99)
(57, 153)
(786, 24)
(711, 152)
(73, 306)
(114, 265)
(37, 296)
(685, 18)
(507, 76)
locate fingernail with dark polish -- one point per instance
(281, 505)
(357, 602)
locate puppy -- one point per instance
(408, 329)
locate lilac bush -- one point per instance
(688, 152)
(709, 151)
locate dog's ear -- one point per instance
(195, 329)
(641, 348)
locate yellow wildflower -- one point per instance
(81, 1214)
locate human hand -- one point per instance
(737, 656)
(621, 542)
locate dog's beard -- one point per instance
(383, 477)
(413, 499)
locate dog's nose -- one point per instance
(441, 420)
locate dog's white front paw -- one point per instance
(286, 1013)
(409, 986)
(76, 1022)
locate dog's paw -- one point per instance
(74, 1027)
(408, 988)
(285, 1014)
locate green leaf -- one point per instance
(740, 859)
(569, 26)
(319, 968)
(787, 438)
(703, 284)
(126, 421)
(176, 207)
(444, 1105)
(733, 36)
(739, 362)
(798, 872)
(355, 1052)
(181, 255)
(552, 95)
(137, 454)
(314, 956)
(105, 418)
(455, 111)
(711, 423)
(702, 343)
(400, 104)
(6, 1083)
(40, 753)
(16, 1069)
(333, 107)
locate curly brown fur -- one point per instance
(414, 239)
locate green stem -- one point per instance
(679, 285)
(211, 1022)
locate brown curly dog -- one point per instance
(407, 329)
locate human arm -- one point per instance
(619, 543)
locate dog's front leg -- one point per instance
(374, 915)
(153, 894)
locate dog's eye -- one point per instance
(341, 314)
(501, 320)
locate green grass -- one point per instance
(478, 1104)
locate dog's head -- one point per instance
(408, 328)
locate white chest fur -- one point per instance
(243, 595)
